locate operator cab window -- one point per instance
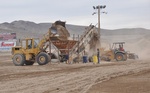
(24, 44)
(29, 44)
(36, 41)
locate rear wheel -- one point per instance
(19, 59)
(29, 62)
(119, 57)
(42, 58)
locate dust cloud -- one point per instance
(141, 47)
(138, 44)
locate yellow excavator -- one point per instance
(34, 50)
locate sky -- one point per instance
(120, 13)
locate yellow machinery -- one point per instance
(116, 52)
(132, 56)
(34, 50)
(31, 50)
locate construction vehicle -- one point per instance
(33, 50)
(116, 52)
(132, 56)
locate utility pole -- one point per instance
(99, 33)
(98, 8)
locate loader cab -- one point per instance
(30, 43)
(119, 53)
(118, 46)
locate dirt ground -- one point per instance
(132, 76)
(134, 83)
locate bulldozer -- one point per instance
(116, 52)
(33, 50)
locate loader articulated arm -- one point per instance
(46, 38)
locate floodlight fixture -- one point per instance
(104, 12)
(104, 6)
(94, 7)
(94, 13)
(101, 7)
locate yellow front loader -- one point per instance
(31, 50)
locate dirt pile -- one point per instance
(59, 29)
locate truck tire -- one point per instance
(119, 57)
(42, 58)
(18, 59)
(125, 57)
(29, 62)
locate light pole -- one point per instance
(98, 8)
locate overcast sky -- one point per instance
(121, 13)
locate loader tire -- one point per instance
(125, 57)
(119, 57)
(42, 58)
(18, 59)
(29, 62)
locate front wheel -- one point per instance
(119, 57)
(42, 58)
(18, 59)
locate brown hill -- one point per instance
(31, 29)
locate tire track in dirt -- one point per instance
(59, 78)
(131, 83)
(56, 75)
(41, 73)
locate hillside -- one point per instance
(31, 29)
